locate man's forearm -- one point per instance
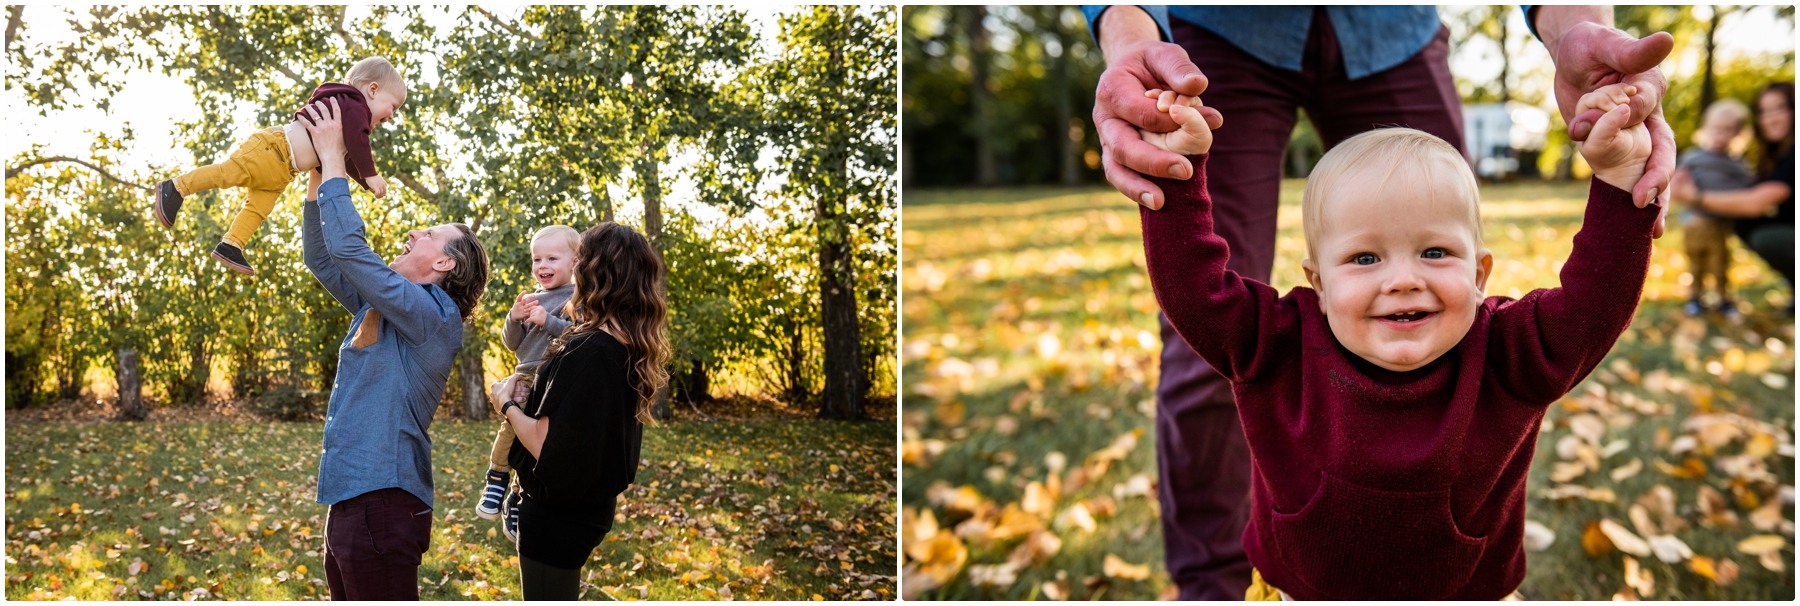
(1124, 25)
(1554, 21)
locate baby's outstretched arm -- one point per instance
(1549, 340)
(1228, 319)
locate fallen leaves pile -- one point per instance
(758, 510)
(1030, 359)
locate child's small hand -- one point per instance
(1193, 138)
(1617, 153)
(378, 186)
(537, 314)
(522, 306)
(521, 389)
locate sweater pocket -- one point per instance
(1355, 543)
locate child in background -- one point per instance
(536, 319)
(265, 163)
(1702, 234)
(1391, 410)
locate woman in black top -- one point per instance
(1764, 213)
(597, 381)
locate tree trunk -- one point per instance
(843, 397)
(603, 204)
(795, 361)
(696, 386)
(987, 173)
(474, 377)
(1505, 59)
(1069, 144)
(131, 387)
(659, 405)
(1708, 88)
(653, 220)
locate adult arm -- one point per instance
(1225, 317)
(1545, 343)
(530, 431)
(413, 312)
(312, 250)
(1138, 60)
(1590, 53)
(1756, 201)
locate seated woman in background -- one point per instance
(1763, 213)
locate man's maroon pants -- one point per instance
(373, 545)
(1200, 448)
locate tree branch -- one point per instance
(507, 26)
(13, 13)
(343, 15)
(20, 168)
(301, 82)
(417, 187)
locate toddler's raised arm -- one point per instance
(1222, 315)
(1552, 338)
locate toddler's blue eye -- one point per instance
(1365, 259)
(1435, 253)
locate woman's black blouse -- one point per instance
(590, 454)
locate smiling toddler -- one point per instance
(537, 318)
(1390, 408)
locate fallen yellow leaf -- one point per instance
(1118, 568)
(1761, 544)
(1595, 541)
(1624, 539)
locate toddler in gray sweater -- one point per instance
(536, 318)
(1704, 235)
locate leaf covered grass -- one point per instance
(784, 509)
(1030, 356)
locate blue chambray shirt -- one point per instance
(1371, 38)
(385, 394)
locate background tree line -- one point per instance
(511, 123)
(1003, 95)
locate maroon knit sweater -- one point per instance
(1374, 484)
(353, 111)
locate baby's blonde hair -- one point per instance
(1387, 152)
(374, 69)
(1723, 109)
(568, 234)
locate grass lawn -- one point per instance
(1029, 366)
(792, 509)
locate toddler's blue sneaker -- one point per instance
(1693, 308)
(510, 527)
(493, 495)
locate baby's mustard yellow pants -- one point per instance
(1261, 591)
(262, 165)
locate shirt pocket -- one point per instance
(1356, 543)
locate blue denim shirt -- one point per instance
(385, 394)
(1371, 38)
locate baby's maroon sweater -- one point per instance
(353, 112)
(1374, 484)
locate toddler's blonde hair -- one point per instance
(1386, 152)
(374, 69)
(1723, 109)
(568, 234)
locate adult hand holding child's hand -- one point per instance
(1617, 150)
(1192, 136)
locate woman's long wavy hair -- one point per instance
(620, 282)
